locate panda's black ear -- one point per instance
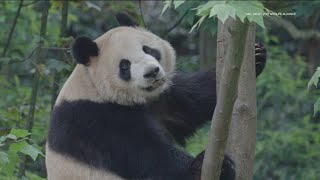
(124, 20)
(83, 48)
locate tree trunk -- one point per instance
(35, 83)
(242, 134)
(63, 33)
(227, 95)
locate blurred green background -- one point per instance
(288, 130)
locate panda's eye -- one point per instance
(124, 69)
(146, 50)
(124, 64)
(152, 52)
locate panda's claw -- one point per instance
(260, 57)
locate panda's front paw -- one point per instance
(261, 58)
(228, 171)
(196, 166)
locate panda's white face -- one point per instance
(133, 65)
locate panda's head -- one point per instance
(127, 65)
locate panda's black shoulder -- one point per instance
(79, 128)
(94, 119)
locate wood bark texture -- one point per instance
(242, 133)
(227, 94)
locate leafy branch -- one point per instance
(35, 82)
(250, 10)
(175, 24)
(17, 142)
(293, 30)
(11, 31)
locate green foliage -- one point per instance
(293, 154)
(13, 144)
(314, 79)
(316, 107)
(287, 139)
(170, 3)
(288, 134)
(314, 82)
(198, 142)
(250, 10)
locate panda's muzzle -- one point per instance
(155, 84)
(152, 73)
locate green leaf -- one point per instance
(198, 23)
(257, 19)
(178, 3)
(314, 79)
(167, 4)
(17, 81)
(253, 10)
(11, 136)
(2, 139)
(240, 9)
(3, 158)
(18, 146)
(316, 107)
(204, 10)
(31, 151)
(223, 11)
(92, 5)
(26, 149)
(10, 167)
(19, 133)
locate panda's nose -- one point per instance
(152, 72)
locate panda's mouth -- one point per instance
(155, 84)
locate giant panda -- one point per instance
(122, 109)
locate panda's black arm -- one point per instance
(188, 104)
(191, 100)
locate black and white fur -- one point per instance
(118, 113)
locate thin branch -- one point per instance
(56, 48)
(64, 18)
(141, 14)
(26, 58)
(175, 24)
(63, 30)
(293, 30)
(64, 50)
(27, 4)
(11, 31)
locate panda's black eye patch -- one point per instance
(152, 52)
(124, 67)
